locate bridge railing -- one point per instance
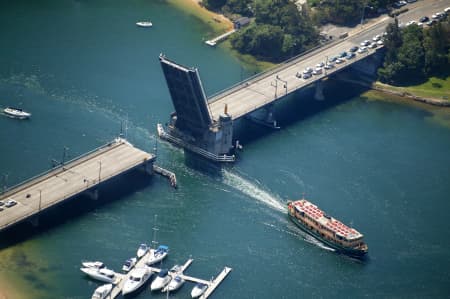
(306, 54)
(43, 175)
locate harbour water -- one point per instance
(82, 68)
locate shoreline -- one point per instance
(218, 22)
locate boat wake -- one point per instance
(254, 190)
(294, 231)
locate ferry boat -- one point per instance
(327, 229)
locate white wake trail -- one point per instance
(254, 190)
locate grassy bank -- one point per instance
(435, 88)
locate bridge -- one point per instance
(80, 175)
(205, 125)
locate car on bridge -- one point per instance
(308, 70)
(365, 43)
(307, 76)
(333, 59)
(340, 60)
(424, 19)
(353, 49)
(362, 50)
(342, 54)
(317, 71)
(10, 203)
(350, 56)
(329, 65)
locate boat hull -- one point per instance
(348, 251)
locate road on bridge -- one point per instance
(274, 84)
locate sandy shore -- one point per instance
(218, 22)
(7, 291)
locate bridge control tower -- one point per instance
(192, 126)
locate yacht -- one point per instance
(136, 279)
(198, 290)
(102, 292)
(174, 284)
(16, 113)
(157, 255)
(103, 274)
(142, 250)
(129, 264)
(144, 24)
(161, 280)
(95, 264)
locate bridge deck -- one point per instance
(64, 182)
(268, 87)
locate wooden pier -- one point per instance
(82, 174)
(213, 42)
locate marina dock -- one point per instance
(212, 285)
(80, 175)
(213, 42)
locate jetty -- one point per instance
(83, 174)
(213, 42)
(212, 284)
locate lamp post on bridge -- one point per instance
(40, 199)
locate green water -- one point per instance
(83, 67)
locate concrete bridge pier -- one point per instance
(264, 116)
(318, 94)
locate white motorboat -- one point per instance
(136, 279)
(161, 280)
(157, 255)
(102, 292)
(16, 113)
(198, 290)
(142, 250)
(103, 274)
(174, 284)
(144, 24)
(129, 263)
(95, 264)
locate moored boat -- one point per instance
(16, 113)
(198, 290)
(157, 255)
(104, 274)
(102, 292)
(93, 264)
(327, 229)
(137, 278)
(144, 24)
(142, 250)
(129, 263)
(161, 280)
(176, 283)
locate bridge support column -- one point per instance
(147, 167)
(264, 116)
(92, 193)
(318, 95)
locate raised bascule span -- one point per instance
(205, 125)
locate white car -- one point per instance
(373, 45)
(410, 23)
(10, 203)
(339, 60)
(320, 64)
(380, 43)
(376, 38)
(317, 71)
(308, 70)
(329, 65)
(362, 50)
(365, 43)
(447, 10)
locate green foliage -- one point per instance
(280, 31)
(414, 53)
(214, 4)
